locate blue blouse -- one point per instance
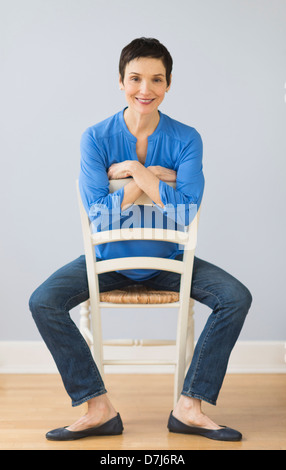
(172, 145)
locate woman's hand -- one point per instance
(145, 179)
(164, 174)
(120, 170)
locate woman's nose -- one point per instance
(145, 87)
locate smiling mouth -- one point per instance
(141, 100)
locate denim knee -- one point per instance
(32, 301)
(244, 297)
(38, 301)
(247, 298)
(239, 296)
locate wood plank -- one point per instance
(30, 405)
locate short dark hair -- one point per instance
(145, 47)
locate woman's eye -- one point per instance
(137, 79)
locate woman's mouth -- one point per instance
(143, 101)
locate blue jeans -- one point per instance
(228, 299)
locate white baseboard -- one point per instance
(32, 357)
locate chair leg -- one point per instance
(89, 331)
(190, 343)
(185, 348)
(84, 323)
(180, 351)
(97, 343)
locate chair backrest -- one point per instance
(187, 239)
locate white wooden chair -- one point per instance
(90, 313)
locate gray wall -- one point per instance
(59, 75)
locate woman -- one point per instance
(153, 149)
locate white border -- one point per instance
(33, 357)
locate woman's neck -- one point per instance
(139, 124)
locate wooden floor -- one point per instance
(30, 405)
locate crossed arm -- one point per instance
(145, 180)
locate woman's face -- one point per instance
(145, 84)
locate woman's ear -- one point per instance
(169, 86)
(121, 85)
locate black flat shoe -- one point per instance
(111, 428)
(223, 434)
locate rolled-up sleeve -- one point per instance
(181, 204)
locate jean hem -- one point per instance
(83, 400)
(199, 397)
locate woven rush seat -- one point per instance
(138, 294)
